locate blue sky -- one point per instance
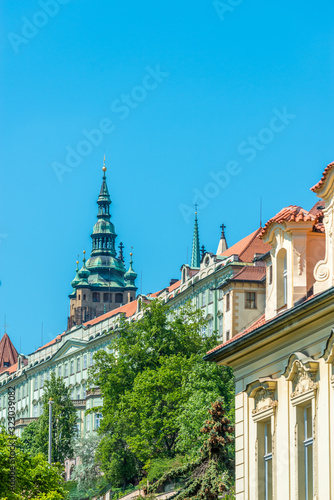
(216, 102)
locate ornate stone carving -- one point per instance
(303, 380)
(263, 392)
(264, 400)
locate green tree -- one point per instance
(29, 438)
(34, 477)
(87, 469)
(64, 420)
(207, 477)
(146, 384)
(205, 383)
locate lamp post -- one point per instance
(50, 430)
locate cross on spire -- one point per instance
(203, 251)
(223, 227)
(121, 248)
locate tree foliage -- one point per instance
(148, 382)
(34, 477)
(64, 420)
(87, 468)
(207, 477)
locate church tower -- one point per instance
(102, 283)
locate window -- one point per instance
(98, 418)
(84, 297)
(119, 298)
(268, 461)
(42, 379)
(250, 300)
(78, 364)
(96, 297)
(35, 411)
(220, 326)
(84, 392)
(204, 298)
(65, 370)
(270, 274)
(228, 335)
(36, 383)
(204, 330)
(228, 301)
(210, 295)
(197, 301)
(305, 452)
(107, 297)
(72, 366)
(72, 393)
(78, 393)
(210, 326)
(59, 371)
(85, 361)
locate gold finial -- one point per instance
(130, 254)
(77, 262)
(84, 252)
(104, 168)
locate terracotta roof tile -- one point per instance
(323, 178)
(248, 247)
(51, 342)
(8, 353)
(129, 310)
(256, 273)
(288, 214)
(174, 286)
(259, 322)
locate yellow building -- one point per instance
(284, 362)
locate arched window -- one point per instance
(107, 297)
(119, 298)
(96, 297)
(84, 297)
(282, 278)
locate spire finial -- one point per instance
(84, 256)
(104, 168)
(121, 255)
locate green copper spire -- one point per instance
(104, 231)
(76, 278)
(130, 276)
(84, 272)
(195, 254)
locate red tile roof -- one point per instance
(259, 322)
(8, 353)
(323, 178)
(51, 342)
(249, 273)
(248, 247)
(288, 214)
(129, 310)
(174, 286)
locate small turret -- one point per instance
(222, 245)
(130, 276)
(83, 273)
(76, 279)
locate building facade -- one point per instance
(284, 362)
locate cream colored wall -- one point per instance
(245, 317)
(311, 339)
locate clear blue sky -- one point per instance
(197, 100)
